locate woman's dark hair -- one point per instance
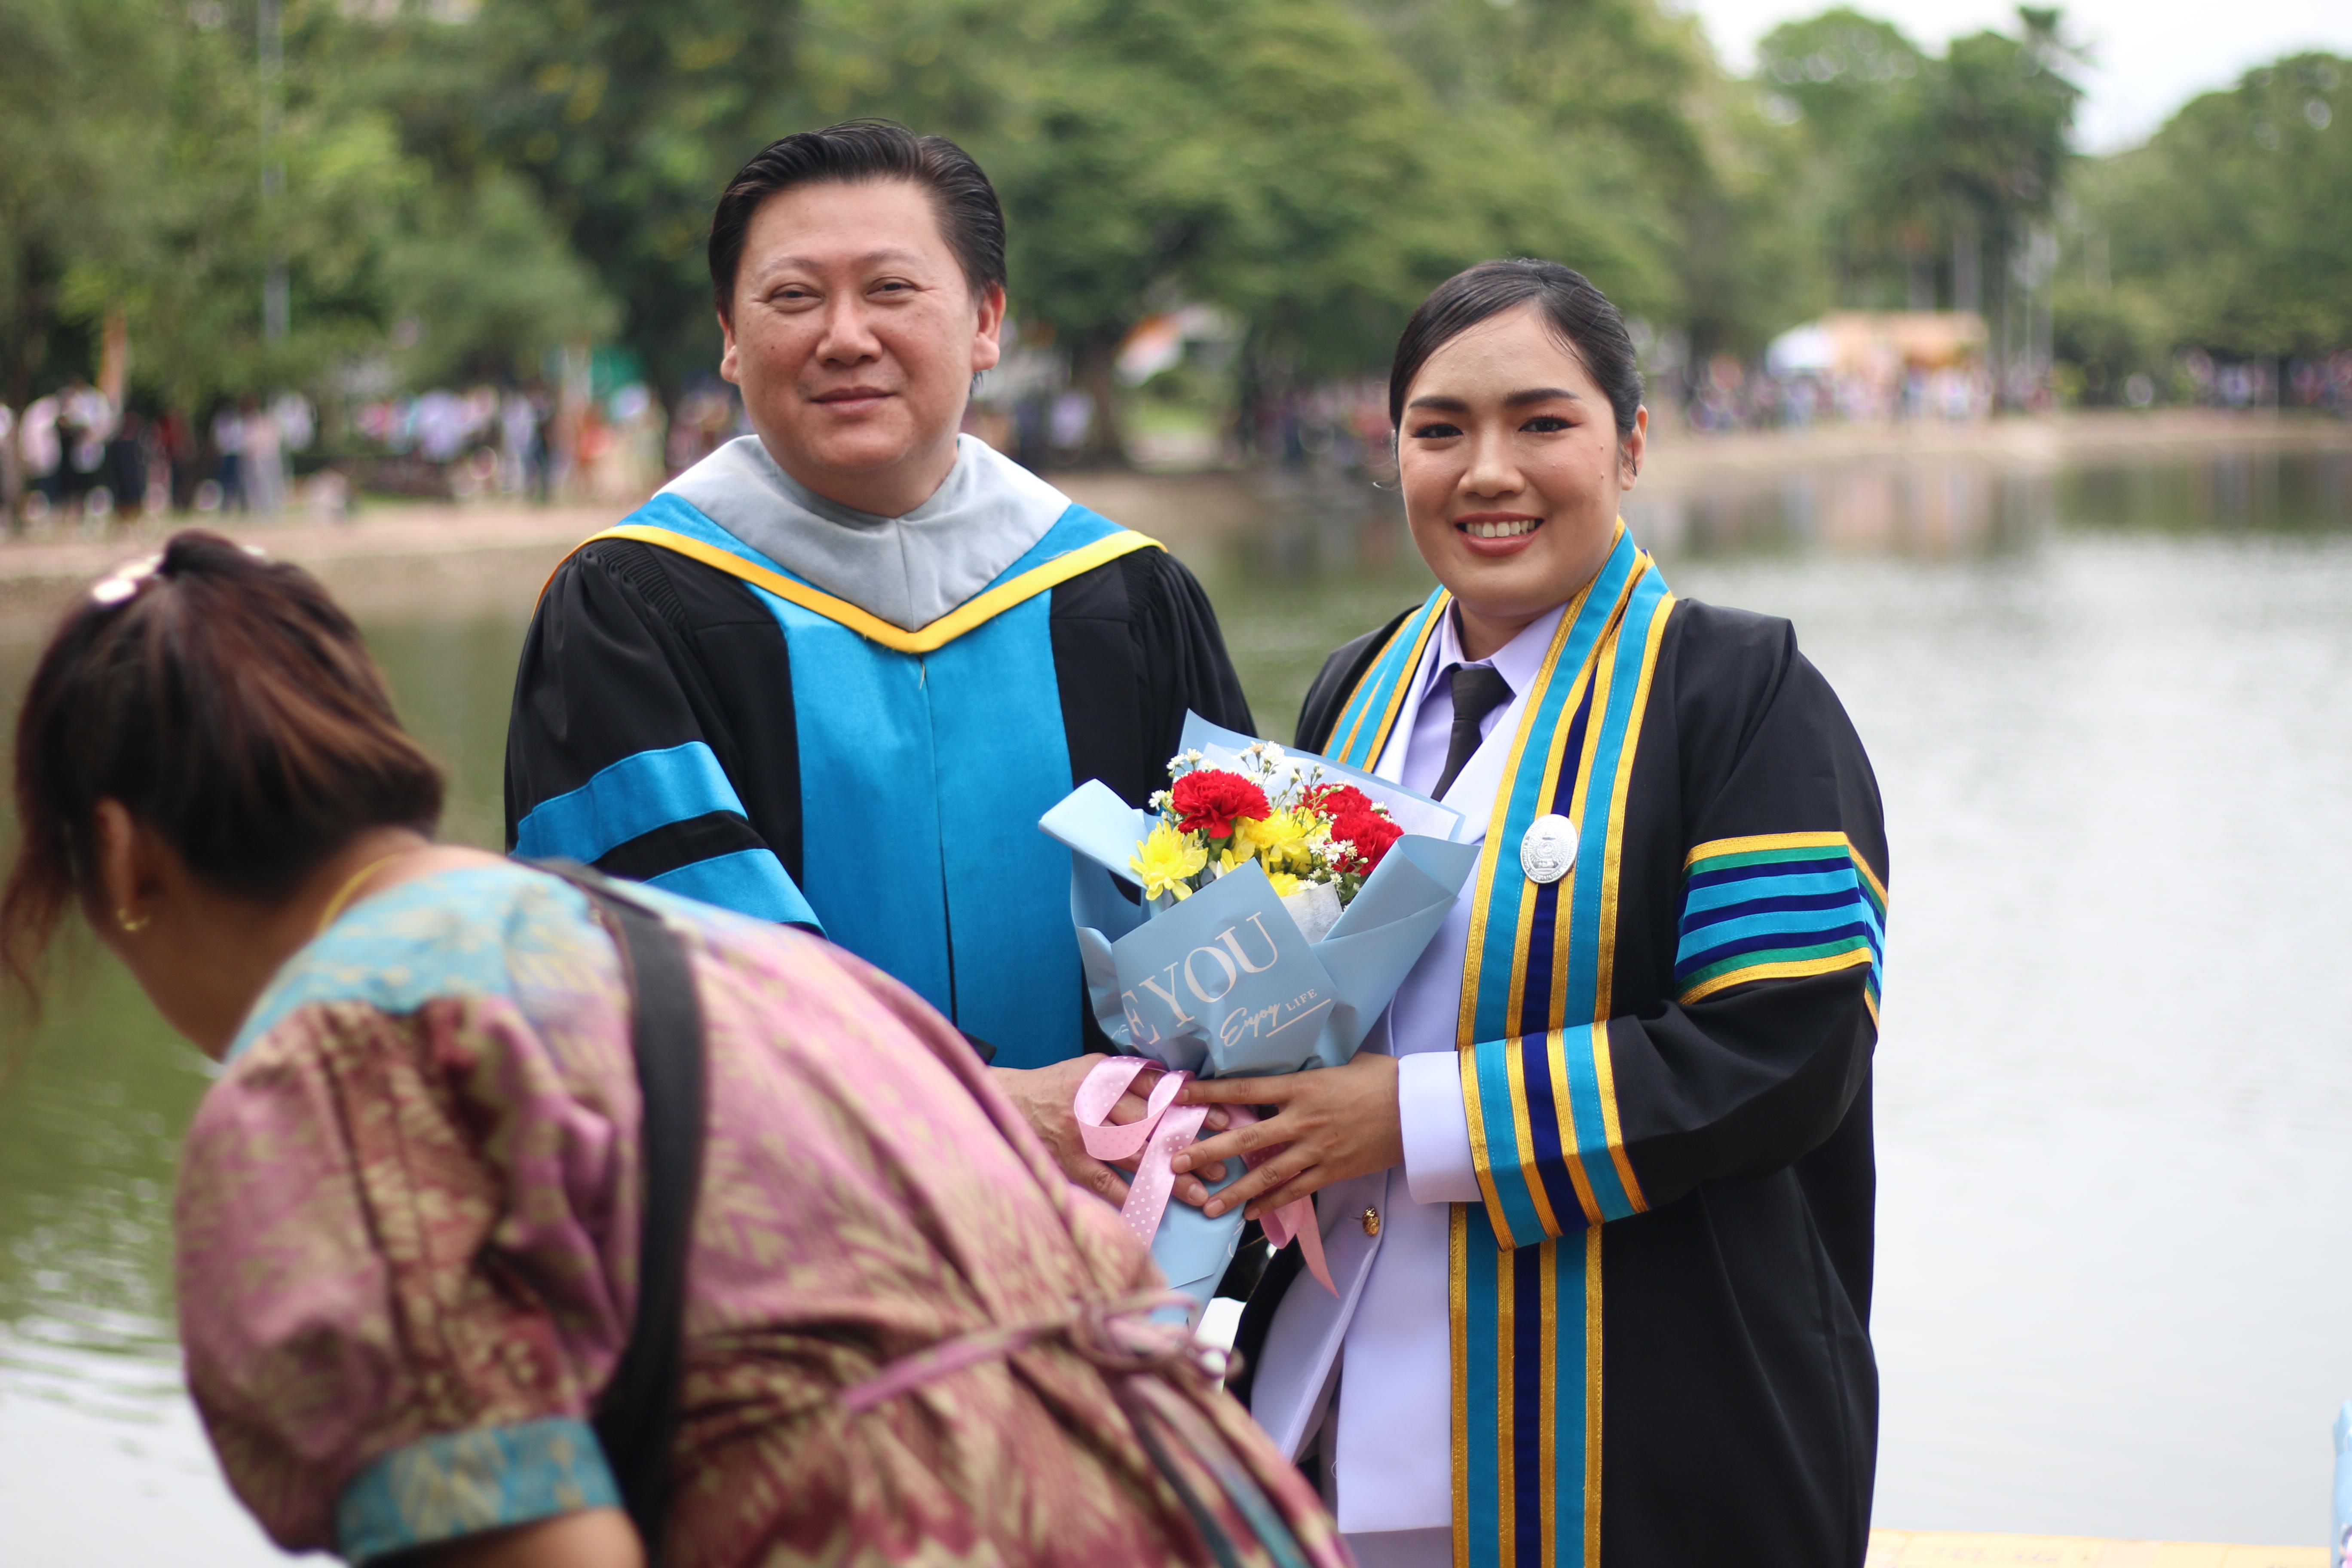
(1587, 324)
(227, 703)
(854, 152)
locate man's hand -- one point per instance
(1335, 1123)
(1043, 1096)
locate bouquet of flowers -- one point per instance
(1317, 840)
(1282, 901)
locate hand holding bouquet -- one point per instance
(1284, 900)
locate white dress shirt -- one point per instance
(1393, 1463)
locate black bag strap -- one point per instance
(636, 1419)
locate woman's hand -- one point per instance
(1043, 1096)
(1335, 1123)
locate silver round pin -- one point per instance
(1548, 850)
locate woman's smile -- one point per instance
(1497, 533)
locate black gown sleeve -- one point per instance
(621, 751)
(1135, 644)
(1765, 1038)
(1182, 649)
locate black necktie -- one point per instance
(1478, 691)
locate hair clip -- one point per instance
(125, 580)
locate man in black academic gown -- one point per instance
(832, 674)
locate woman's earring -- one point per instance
(122, 917)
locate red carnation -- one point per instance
(1366, 834)
(1337, 800)
(1207, 801)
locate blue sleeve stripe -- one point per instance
(1720, 892)
(627, 800)
(750, 881)
(462, 1483)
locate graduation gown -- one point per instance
(691, 714)
(1660, 1312)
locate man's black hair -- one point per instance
(970, 218)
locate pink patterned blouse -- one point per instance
(408, 1223)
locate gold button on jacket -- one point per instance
(1371, 1222)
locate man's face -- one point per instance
(854, 339)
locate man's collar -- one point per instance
(909, 571)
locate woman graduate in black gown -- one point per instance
(1601, 1185)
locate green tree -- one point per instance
(221, 202)
(625, 117)
(77, 134)
(1991, 132)
(481, 285)
(1846, 84)
(1663, 177)
(2234, 222)
(2104, 335)
(1919, 156)
(1280, 160)
(1277, 161)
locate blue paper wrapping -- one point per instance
(1224, 984)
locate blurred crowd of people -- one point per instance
(1727, 396)
(524, 442)
(83, 457)
(2320, 384)
(83, 460)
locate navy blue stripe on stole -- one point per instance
(1830, 863)
(1775, 906)
(1767, 908)
(1530, 1400)
(1542, 1127)
(1763, 940)
(1535, 997)
(1546, 1116)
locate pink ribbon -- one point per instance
(1165, 1131)
(1117, 1336)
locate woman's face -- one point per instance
(1511, 465)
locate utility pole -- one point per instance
(276, 304)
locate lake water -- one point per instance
(2112, 716)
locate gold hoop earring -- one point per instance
(122, 917)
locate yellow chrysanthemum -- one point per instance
(1167, 861)
(1285, 884)
(1280, 839)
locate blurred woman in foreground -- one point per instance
(409, 1211)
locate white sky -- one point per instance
(2153, 55)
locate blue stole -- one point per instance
(1526, 1319)
(926, 758)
